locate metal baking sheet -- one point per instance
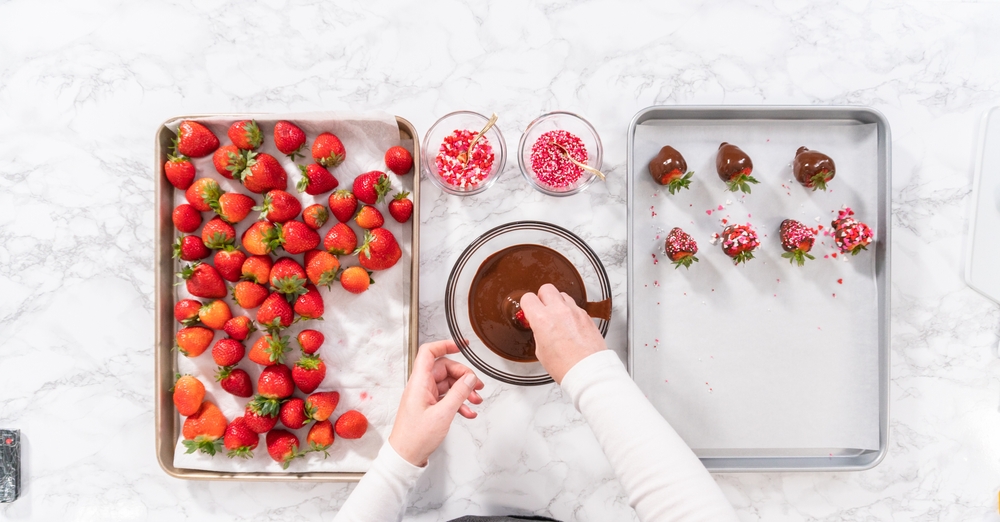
(758, 416)
(167, 427)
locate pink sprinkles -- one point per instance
(850, 234)
(449, 163)
(549, 162)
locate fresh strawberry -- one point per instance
(229, 262)
(320, 405)
(249, 295)
(813, 169)
(195, 140)
(851, 235)
(401, 208)
(203, 281)
(371, 187)
(734, 167)
(201, 192)
(275, 312)
(351, 425)
(356, 279)
(189, 393)
(192, 341)
(269, 349)
(739, 242)
(320, 437)
(340, 240)
(681, 248)
(240, 440)
(263, 173)
(796, 240)
(521, 319)
(186, 311)
(321, 267)
(214, 314)
(217, 234)
(308, 373)
(257, 269)
(369, 217)
(310, 304)
(190, 248)
(274, 384)
(179, 171)
(379, 251)
(235, 381)
(289, 139)
(257, 419)
(279, 206)
(315, 216)
(296, 237)
(316, 180)
(228, 352)
(239, 327)
(245, 134)
(232, 207)
(288, 277)
(203, 430)
(310, 341)
(669, 168)
(293, 413)
(261, 238)
(283, 447)
(398, 160)
(229, 161)
(343, 205)
(327, 150)
(186, 218)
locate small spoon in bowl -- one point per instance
(464, 156)
(583, 166)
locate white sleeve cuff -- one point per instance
(594, 367)
(397, 466)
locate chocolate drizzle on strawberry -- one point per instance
(797, 240)
(669, 168)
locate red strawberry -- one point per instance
(320, 405)
(669, 168)
(214, 314)
(316, 180)
(203, 281)
(186, 218)
(235, 381)
(240, 440)
(229, 262)
(261, 238)
(179, 171)
(255, 417)
(192, 341)
(239, 327)
(245, 134)
(186, 311)
(190, 248)
(217, 234)
(228, 352)
(289, 139)
(308, 373)
(269, 350)
(813, 169)
(263, 173)
(343, 204)
(189, 393)
(681, 248)
(321, 267)
(279, 207)
(257, 269)
(310, 341)
(275, 382)
(796, 240)
(283, 447)
(293, 413)
(195, 140)
(851, 235)
(310, 304)
(734, 167)
(315, 216)
(351, 425)
(229, 161)
(320, 437)
(369, 217)
(249, 295)
(356, 279)
(274, 312)
(288, 277)
(401, 208)
(204, 429)
(201, 192)
(521, 319)
(340, 240)
(327, 150)
(296, 237)
(739, 242)
(398, 160)
(371, 187)
(232, 207)
(379, 251)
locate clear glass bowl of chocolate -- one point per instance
(495, 270)
(544, 163)
(445, 157)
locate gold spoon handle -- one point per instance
(489, 125)
(583, 166)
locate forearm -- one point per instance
(381, 494)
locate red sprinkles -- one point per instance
(549, 162)
(449, 159)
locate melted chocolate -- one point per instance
(810, 163)
(667, 161)
(731, 160)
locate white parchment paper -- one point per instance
(767, 355)
(366, 334)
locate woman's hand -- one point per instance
(564, 333)
(437, 389)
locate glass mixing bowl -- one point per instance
(569, 122)
(462, 120)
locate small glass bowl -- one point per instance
(571, 123)
(448, 124)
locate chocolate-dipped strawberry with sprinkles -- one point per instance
(739, 242)
(681, 248)
(669, 168)
(813, 169)
(850, 234)
(734, 167)
(797, 240)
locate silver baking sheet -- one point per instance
(765, 366)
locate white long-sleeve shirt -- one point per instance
(662, 476)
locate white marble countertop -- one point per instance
(84, 84)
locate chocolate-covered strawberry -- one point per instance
(813, 169)
(681, 248)
(850, 234)
(669, 168)
(739, 242)
(797, 240)
(734, 167)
